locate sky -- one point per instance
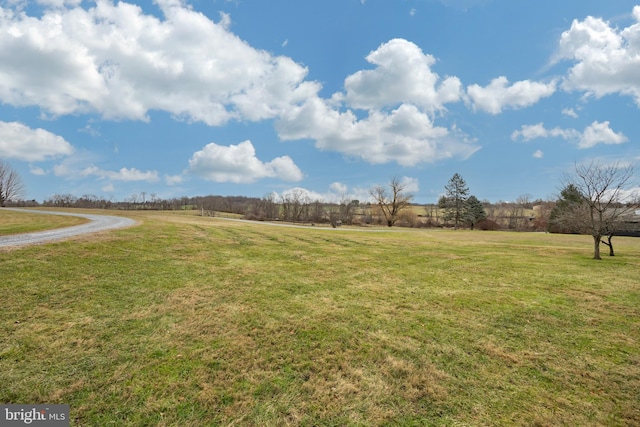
(178, 98)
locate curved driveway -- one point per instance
(96, 223)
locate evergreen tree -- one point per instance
(454, 202)
(475, 211)
(570, 199)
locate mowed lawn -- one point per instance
(190, 321)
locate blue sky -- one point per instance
(331, 97)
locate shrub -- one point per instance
(487, 224)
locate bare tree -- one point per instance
(517, 218)
(391, 204)
(542, 209)
(607, 199)
(293, 204)
(10, 184)
(347, 210)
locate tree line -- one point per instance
(297, 206)
(597, 199)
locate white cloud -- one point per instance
(529, 132)
(239, 164)
(538, 154)
(405, 135)
(606, 58)
(337, 193)
(116, 60)
(37, 171)
(303, 194)
(59, 3)
(498, 95)
(631, 195)
(339, 188)
(600, 133)
(570, 112)
(21, 142)
(594, 134)
(402, 97)
(124, 174)
(403, 75)
(411, 185)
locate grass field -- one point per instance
(190, 321)
(12, 222)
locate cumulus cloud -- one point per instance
(18, 141)
(239, 164)
(124, 174)
(538, 154)
(403, 75)
(499, 95)
(117, 61)
(303, 194)
(337, 193)
(529, 132)
(339, 188)
(405, 135)
(600, 133)
(401, 98)
(594, 134)
(606, 58)
(411, 185)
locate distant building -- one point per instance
(630, 225)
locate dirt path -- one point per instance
(97, 223)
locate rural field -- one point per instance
(21, 222)
(189, 321)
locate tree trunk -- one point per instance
(608, 243)
(596, 247)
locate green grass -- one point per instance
(12, 222)
(192, 321)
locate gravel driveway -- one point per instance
(97, 223)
